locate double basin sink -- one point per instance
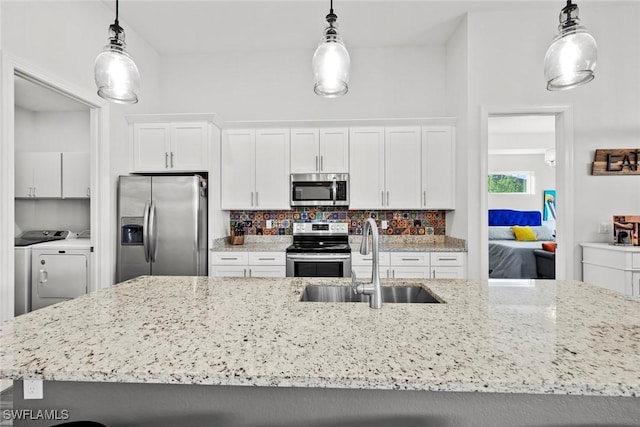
(390, 294)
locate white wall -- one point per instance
(506, 52)
(544, 179)
(51, 131)
(278, 85)
(457, 90)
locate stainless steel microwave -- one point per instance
(319, 189)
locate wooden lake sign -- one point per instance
(619, 161)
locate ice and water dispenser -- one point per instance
(132, 230)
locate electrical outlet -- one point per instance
(32, 389)
(605, 228)
(384, 225)
(269, 223)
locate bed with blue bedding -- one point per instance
(510, 258)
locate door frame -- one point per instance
(101, 227)
(564, 182)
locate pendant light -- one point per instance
(572, 56)
(116, 75)
(331, 62)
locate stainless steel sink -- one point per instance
(390, 294)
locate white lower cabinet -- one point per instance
(412, 265)
(362, 265)
(448, 265)
(248, 264)
(612, 267)
(409, 265)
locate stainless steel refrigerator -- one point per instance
(162, 226)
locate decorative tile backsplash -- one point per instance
(399, 222)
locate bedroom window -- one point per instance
(511, 182)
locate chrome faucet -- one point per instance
(372, 289)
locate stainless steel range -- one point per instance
(319, 249)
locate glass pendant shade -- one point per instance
(331, 63)
(117, 76)
(571, 58)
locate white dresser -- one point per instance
(612, 267)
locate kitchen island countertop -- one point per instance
(550, 337)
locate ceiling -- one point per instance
(177, 27)
(37, 98)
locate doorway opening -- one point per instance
(521, 196)
(41, 115)
(566, 257)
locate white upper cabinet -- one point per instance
(151, 146)
(402, 167)
(38, 174)
(189, 143)
(255, 169)
(75, 175)
(366, 168)
(169, 143)
(305, 150)
(316, 150)
(385, 168)
(438, 167)
(238, 169)
(272, 169)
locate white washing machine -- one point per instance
(60, 270)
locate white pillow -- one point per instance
(544, 232)
(501, 233)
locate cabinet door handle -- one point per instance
(166, 160)
(88, 191)
(433, 273)
(321, 163)
(266, 259)
(387, 197)
(382, 197)
(410, 259)
(228, 259)
(172, 160)
(34, 191)
(244, 274)
(424, 198)
(393, 274)
(252, 198)
(447, 259)
(256, 198)
(316, 163)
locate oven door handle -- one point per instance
(318, 257)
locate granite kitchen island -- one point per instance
(246, 352)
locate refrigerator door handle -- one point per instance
(153, 238)
(145, 232)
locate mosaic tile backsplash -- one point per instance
(399, 222)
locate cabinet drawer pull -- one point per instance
(229, 259)
(321, 163)
(166, 160)
(447, 259)
(172, 160)
(410, 259)
(316, 162)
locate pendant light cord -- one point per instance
(117, 13)
(330, 7)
